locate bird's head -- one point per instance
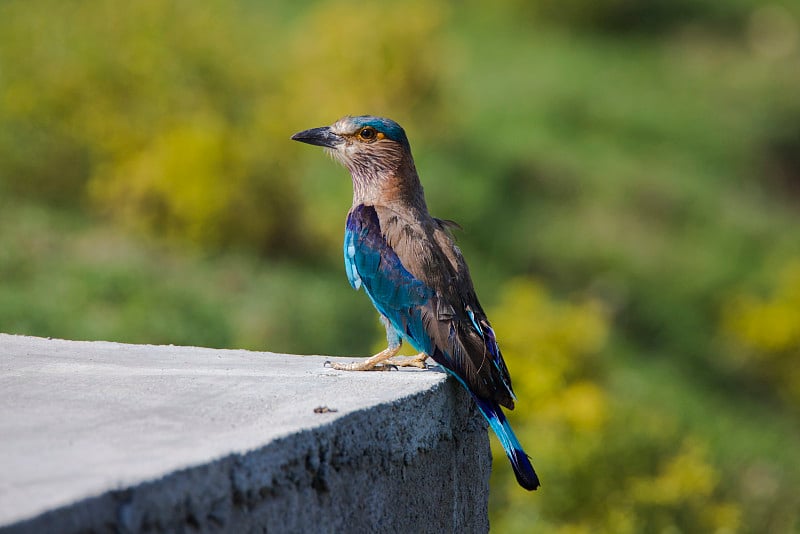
(370, 147)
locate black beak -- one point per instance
(319, 136)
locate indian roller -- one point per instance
(410, 267)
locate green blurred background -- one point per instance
(627, 174)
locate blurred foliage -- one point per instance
(62, 277)
(637, 17)
(763, 334)
(638, 159)
(607, 466)
(173, 117)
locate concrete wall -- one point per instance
(107, 437)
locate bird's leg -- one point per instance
(393, 339)
(380, 361)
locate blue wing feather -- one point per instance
(349, 261)
(394, 291)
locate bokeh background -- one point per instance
(627, 175)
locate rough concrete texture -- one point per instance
(106, 437)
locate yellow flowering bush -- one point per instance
(606, 465)
(175, 117)
(763, 333)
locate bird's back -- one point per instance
(455, 330)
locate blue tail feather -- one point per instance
(491, 411)
(526, 475)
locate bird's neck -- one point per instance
(398, 186)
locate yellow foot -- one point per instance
(414, 361)
(379, 362)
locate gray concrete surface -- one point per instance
(107, 437)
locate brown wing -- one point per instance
(454, 319)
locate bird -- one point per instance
(412, 270)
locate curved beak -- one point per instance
(319, 136)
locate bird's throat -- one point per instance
(389, 189)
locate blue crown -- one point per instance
(387, 127)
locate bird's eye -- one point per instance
(367, 133)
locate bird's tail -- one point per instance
(526, 476)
